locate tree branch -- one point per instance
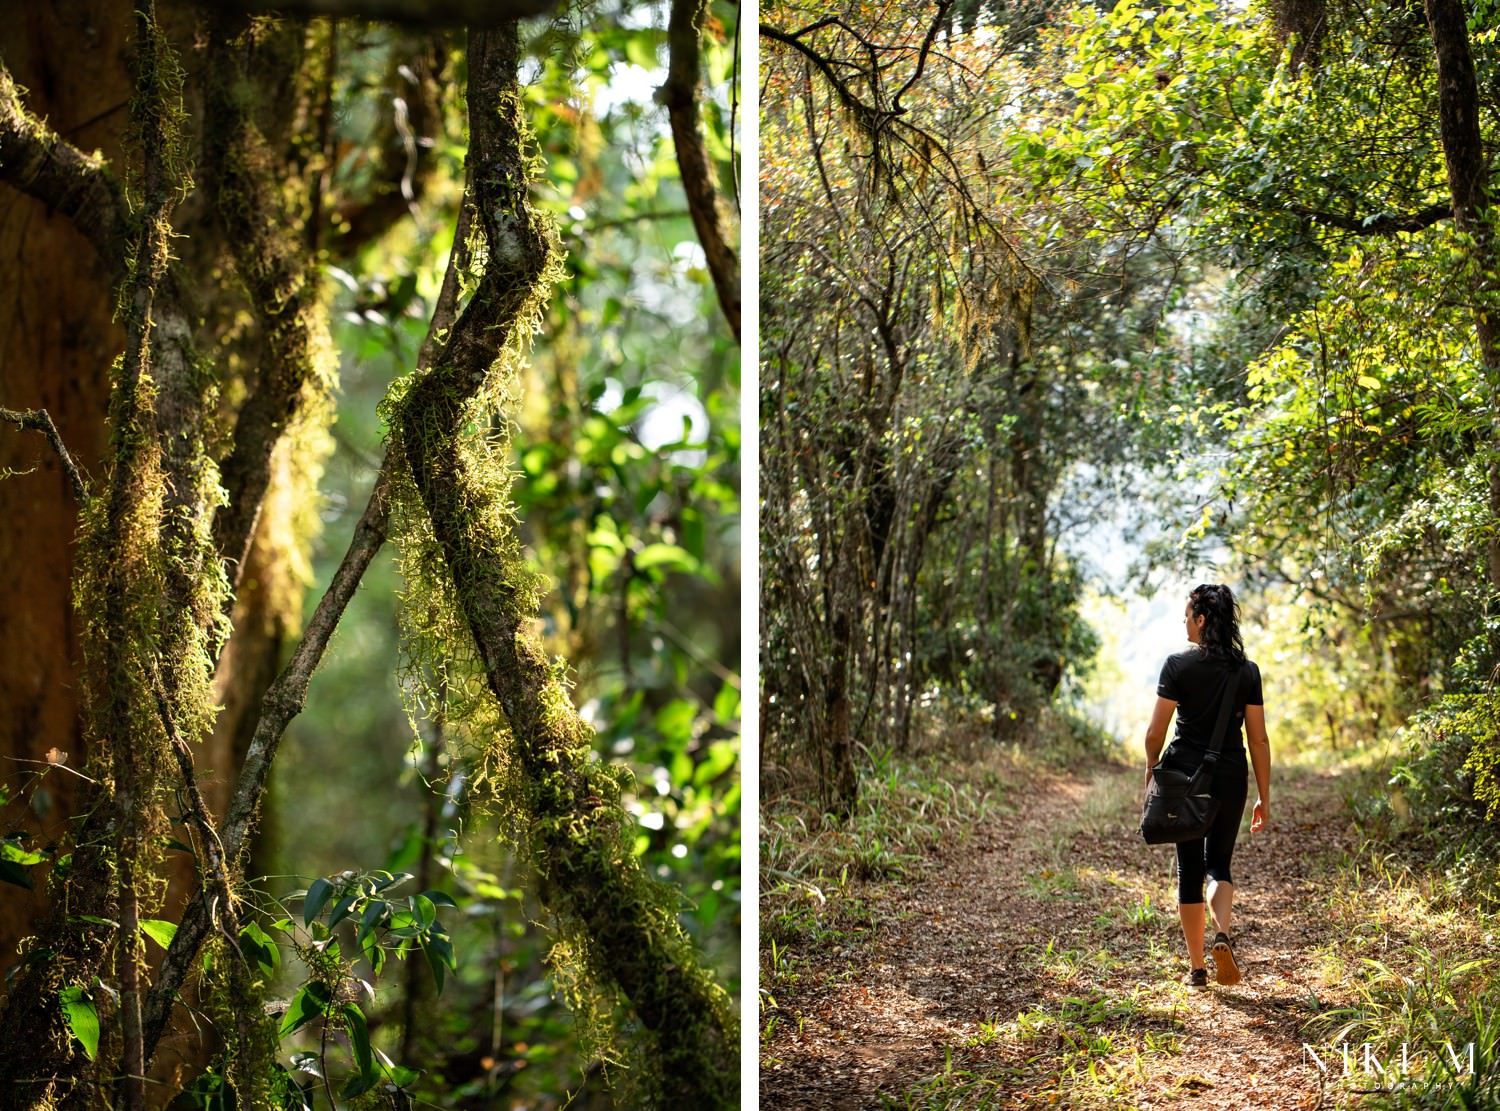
(939, 21)
(413, 13)
(41, 164)
(1383, 223)
(41, 421)
(283, 701)
(680, 93)
(278, 274)
(590, 879)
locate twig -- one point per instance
(198, 812)
(51, 764)
(41, 421)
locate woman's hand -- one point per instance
(1260, 817)
(1148, 778)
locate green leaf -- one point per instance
(674, 721)
(82, 1019)
(341, 910)
(727, 704)
(375, 910)
(256, 944)
(359, 1042)
(11, 872)
(439, 953)
(401, 1076)
(668, 557)
(640, 48)
(10, 850)
(721, 757)
(422, 907)
(309, 1003)
(159, 930)
(317, 896)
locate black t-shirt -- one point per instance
(1196, 681)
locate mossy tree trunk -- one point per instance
(623, 924)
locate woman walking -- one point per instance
(1193, 685)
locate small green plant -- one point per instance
(329, 997)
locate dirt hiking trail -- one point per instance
(1040, 963)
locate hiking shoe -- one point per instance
(1226, 969)
(1198, 978)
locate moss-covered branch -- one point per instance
(680, 93)
(38, 162)
(622, 925)
(272, 261)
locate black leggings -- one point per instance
(1209, 855)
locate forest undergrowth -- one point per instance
(987, 930)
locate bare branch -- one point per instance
(939, 21)
(41, 421)
(38, 162)
(681, 96)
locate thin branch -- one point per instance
(1384, 223)
(41, 164)
(939, 21)
(680, 93)
(197, 811)
(41, 421)
(282, 702)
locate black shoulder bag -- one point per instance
(1178, 806)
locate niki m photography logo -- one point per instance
(1369, 1060)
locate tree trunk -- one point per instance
(1468, 169)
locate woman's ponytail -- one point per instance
(1215, 603)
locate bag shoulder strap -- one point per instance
(1220, 729)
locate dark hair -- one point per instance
(1215, 603)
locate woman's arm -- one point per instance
(1156, 732)
(1260, 761)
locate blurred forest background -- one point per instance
(623, 442)
(1067, 304)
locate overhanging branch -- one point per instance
(680, 94)
(1384, 223)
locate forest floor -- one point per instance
(1035, 959)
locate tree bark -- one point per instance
(1468, 181)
